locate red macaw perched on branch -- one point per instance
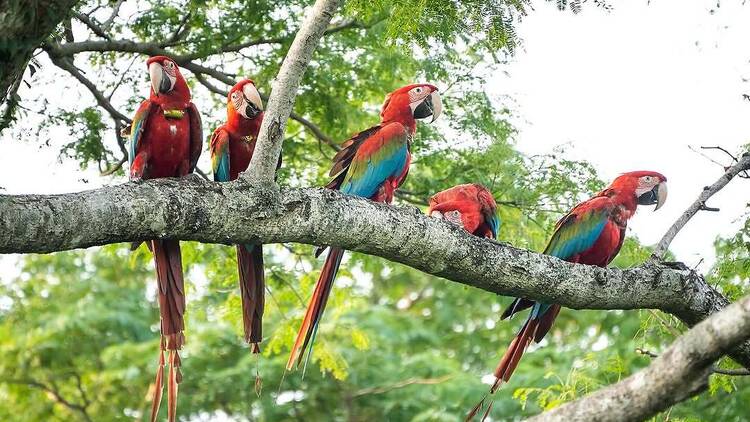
(166, 141)
(371, 164)
(470, 206)
(592, 233)
(232, 146)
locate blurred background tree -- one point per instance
(79, 329)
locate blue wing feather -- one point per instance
(137, 128)
(367, 173)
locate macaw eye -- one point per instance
(418, 90)
(648, 179)
(455, 214)
(234, 96)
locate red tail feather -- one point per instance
(512, 356)
(158, 388)
(171, 293)
(252, 289)
(316, 306)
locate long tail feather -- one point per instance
(158, 387)
(252, 289)
(316, 306)
(535, 328)
(172, 385)
(171, 293)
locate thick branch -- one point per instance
(678, 374)
(238, 212)
(284, 91)
(700, 204)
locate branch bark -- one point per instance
(284, 90)
(241, 212)
(678, 374)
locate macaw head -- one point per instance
(417, 101)
(244, 100)
(646, 187)
(166, 78)
(470, 206)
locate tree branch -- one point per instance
(700, 204)
(678, 374)
(240, 212)
(285, 85)
(66, 64)
(54, 393)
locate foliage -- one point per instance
(78, 330)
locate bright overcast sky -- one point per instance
(626, 90)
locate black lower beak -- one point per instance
(649, 198)
(166, 84)
(424, 109)
(251, 111)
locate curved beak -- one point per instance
(430, 106)
(253, 102)
(161, 83)
(657, 195)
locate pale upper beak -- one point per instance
(657, 195)
(254, 104)
(661, 194)
(161, 82)
(429, 106)
(437, 105)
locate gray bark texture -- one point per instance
(679, 373)
(24, 26)
(284, 89)
(243, 211)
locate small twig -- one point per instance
(93, 26)
(646, 352)
(107, 24)
(115, 167)
(122, 78)
(401, 384)
(736, 372)
(182, 30)
(743, 164)
(744, 174)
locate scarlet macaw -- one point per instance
(592, 233)
(232, 146)
(166, 141)
(470, 206)
(371, 164)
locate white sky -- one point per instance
(627, 90)
(632, 90)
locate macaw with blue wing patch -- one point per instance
(232, 147)
(470, 206)
(592, 234)
(166, 140)
(372, 164)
